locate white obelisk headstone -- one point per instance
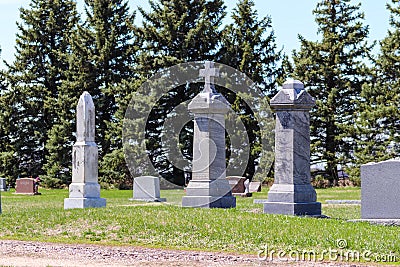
(84, 191)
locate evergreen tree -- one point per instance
(179, 31)
(175, 32)
(379, 121)
(104, 56)
(248, 45)
(334, 70)
(58, 167)
(8, 163)
(36, 76)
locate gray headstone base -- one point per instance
(384, 222)
(260, 201)
(80, 203)
(311, 208)
(344, 201)
(159, 199)
(209, 202)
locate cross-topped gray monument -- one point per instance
(209, 187)
(209, 72)
(84, 191)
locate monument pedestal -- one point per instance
(209, 194)
(292, 192)
(84, 195)
(209, 202)
(81, 203)
(310, 208)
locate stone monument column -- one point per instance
(84, 191)
(209, 187)
(292, 192)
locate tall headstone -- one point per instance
(209, 187)
(380, 184)
(292, 192)
(84, 191)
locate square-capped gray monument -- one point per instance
(380, 185)
(84, 191)
(292, 192)
(147, 188)
(209, 187)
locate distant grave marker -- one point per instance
(255, 187)
(26, 186)
(236, 183)
(147, 188)
(3, 185)
(239, 185)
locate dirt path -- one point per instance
(21, 253)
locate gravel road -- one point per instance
(27, 253)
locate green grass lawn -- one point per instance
(244, 229)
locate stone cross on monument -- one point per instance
(84, 191)
(209, 72)
(209, 187)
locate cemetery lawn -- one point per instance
(244, 229)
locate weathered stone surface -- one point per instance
(82, 203)
(85, 119)
(311, 208)
(209, 202)
(380, 185)
(25, 186)
(255, 187)
(209, 187)
(147, 188)
(292, 192)
(84, 191)
(237, 183)
(85, 163)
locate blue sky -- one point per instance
(289, 18)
